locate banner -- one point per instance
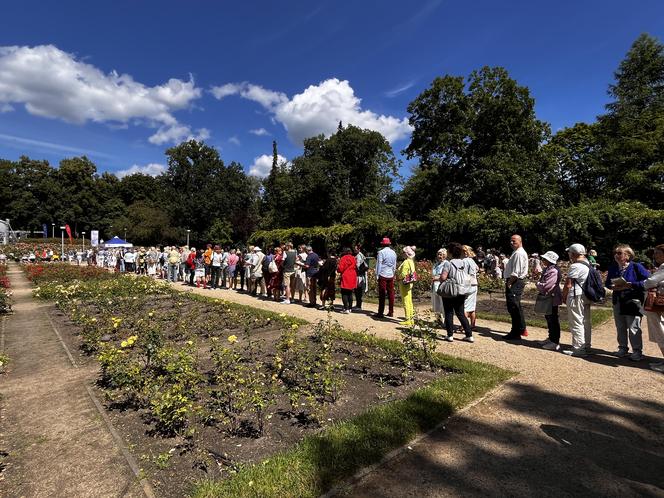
(68, 230)
(94, 238)
(45, 229)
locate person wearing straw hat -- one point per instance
(549, 287)
(407, 277)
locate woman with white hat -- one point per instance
(549, 298)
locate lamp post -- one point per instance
(110, 232)
(125, 237)
(53, 231)
(62, 248)
(83, 233)
(188, 231)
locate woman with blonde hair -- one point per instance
(436, 300)
(407, 278)
(626, 278)
(470, 304)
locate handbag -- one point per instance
(654, 302)
(544, 304)
(630, 302)
(272, 267)
(448, 288)
(410, 278)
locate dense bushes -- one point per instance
(599, 224)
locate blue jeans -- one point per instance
(173, 272)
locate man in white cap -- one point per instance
(578, 305)
(256, 277)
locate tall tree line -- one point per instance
(476, 139)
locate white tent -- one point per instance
(117, 242)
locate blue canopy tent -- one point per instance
(117, 242)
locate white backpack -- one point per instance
(458, 283)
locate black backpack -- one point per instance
(593, 287)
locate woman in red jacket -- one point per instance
(348, 270)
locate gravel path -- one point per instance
(57, 442)
(561, 427)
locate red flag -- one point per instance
(68, 233)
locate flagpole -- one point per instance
(62, 250)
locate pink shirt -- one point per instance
(233, 259)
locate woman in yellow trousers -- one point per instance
(407, 276)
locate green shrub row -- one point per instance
(599, 225)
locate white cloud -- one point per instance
(318, 109)
(263, 164)
(6, 108)
(261, 132)
(234, 140)
(178, 133)
(152, 169)
(42, 145)
(399, 90)
(53, 84)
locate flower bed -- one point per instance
(201, 387)
(5, 292)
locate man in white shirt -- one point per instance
(516, 272)
(386, 265)
(578, 305)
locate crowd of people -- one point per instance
(288, 275)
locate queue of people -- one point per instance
(299, 275)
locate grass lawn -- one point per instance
(323, 460)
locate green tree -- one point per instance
(201, 189)
(332, 174)
(483, 142)
(632, 131)
(575, 151)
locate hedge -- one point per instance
(599, 225)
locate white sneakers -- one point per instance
(468, 339)
(449, 338)
(576, 353)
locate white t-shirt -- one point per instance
(578, 272)
(217, 258)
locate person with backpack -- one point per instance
(456, 272)
(626, 278)
(578, 303)
(515, 275)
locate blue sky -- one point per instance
(122, 81)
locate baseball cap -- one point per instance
(576, 249)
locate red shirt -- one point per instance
(348, 270)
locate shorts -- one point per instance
(288, 275)
(208, 270)
(200, 272)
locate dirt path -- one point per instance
(57, 442)
(562, 427)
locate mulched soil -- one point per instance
(174, 464)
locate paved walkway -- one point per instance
(562, 427)
(57, 442)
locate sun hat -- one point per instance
(409, 251)
(576, 249)
(551, 257)
(385, 241)
(256, 249)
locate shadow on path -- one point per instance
(577, 447)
